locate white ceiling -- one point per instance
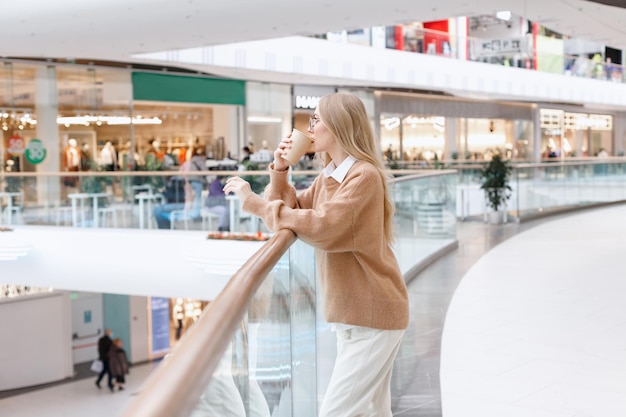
(117, 29)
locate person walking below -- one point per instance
(104, 345)
(119, 364)
(347, 216)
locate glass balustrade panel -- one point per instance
(425, 217)
(269, 367)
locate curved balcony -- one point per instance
(269, 305)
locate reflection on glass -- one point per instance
(269, 367)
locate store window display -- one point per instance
(575, 135)
(125, 160)
(72, 162)
(178, 314)
(155, 149)
(108, 157)
(85, 157)
(72, 156)
(185, 312)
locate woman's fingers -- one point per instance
(237, 186)
(231, 184)
(285, 144)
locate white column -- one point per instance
(619, 133)
(227, 123)
(461, 42)
(46, 109)
(536, 135)
(451, 138)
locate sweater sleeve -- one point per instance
(330, 224)
(279, 187)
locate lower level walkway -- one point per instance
(536, 327)
(492, 360)
(416, 380)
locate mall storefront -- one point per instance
(417, 127)
(107, 118)
(103, 118)
(567, 133)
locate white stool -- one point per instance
(105, 213)
(111, 212)
(209, 218)
(180, 215)
(64, 214)
(13, 215)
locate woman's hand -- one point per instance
(280, 163)
(239, 187)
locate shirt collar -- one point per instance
(339, 173)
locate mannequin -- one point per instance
(179, 316)
(85, 157)
(108, 157)
(123, 157)
(125, 161)
(72, 156)
(190, 150)
(72, 162)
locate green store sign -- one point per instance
(35, 152)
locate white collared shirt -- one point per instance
(339, 173)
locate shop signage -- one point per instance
(16, 145)
(307, 102)
(307, 97)
(500, 47)
(577, 121)
(552, 119)
(35, 151)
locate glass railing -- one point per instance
(425, 219)
(271, 365)
(425, 204)
(278, 358)
(150, 200)
(261, 346)
(141, 200)
(544, 188)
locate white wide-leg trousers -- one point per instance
(361, 379)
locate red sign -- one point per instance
(17, 144)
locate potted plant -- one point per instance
(495, 181)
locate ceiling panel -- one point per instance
(117, 29)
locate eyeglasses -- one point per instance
(313, 121)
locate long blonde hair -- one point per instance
(345, 117)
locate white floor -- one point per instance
(537, 327)
(76, 399)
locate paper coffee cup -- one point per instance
(300, 144)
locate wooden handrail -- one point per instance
(175, 386)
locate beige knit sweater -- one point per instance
(359, 275)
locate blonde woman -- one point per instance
(347, 216)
